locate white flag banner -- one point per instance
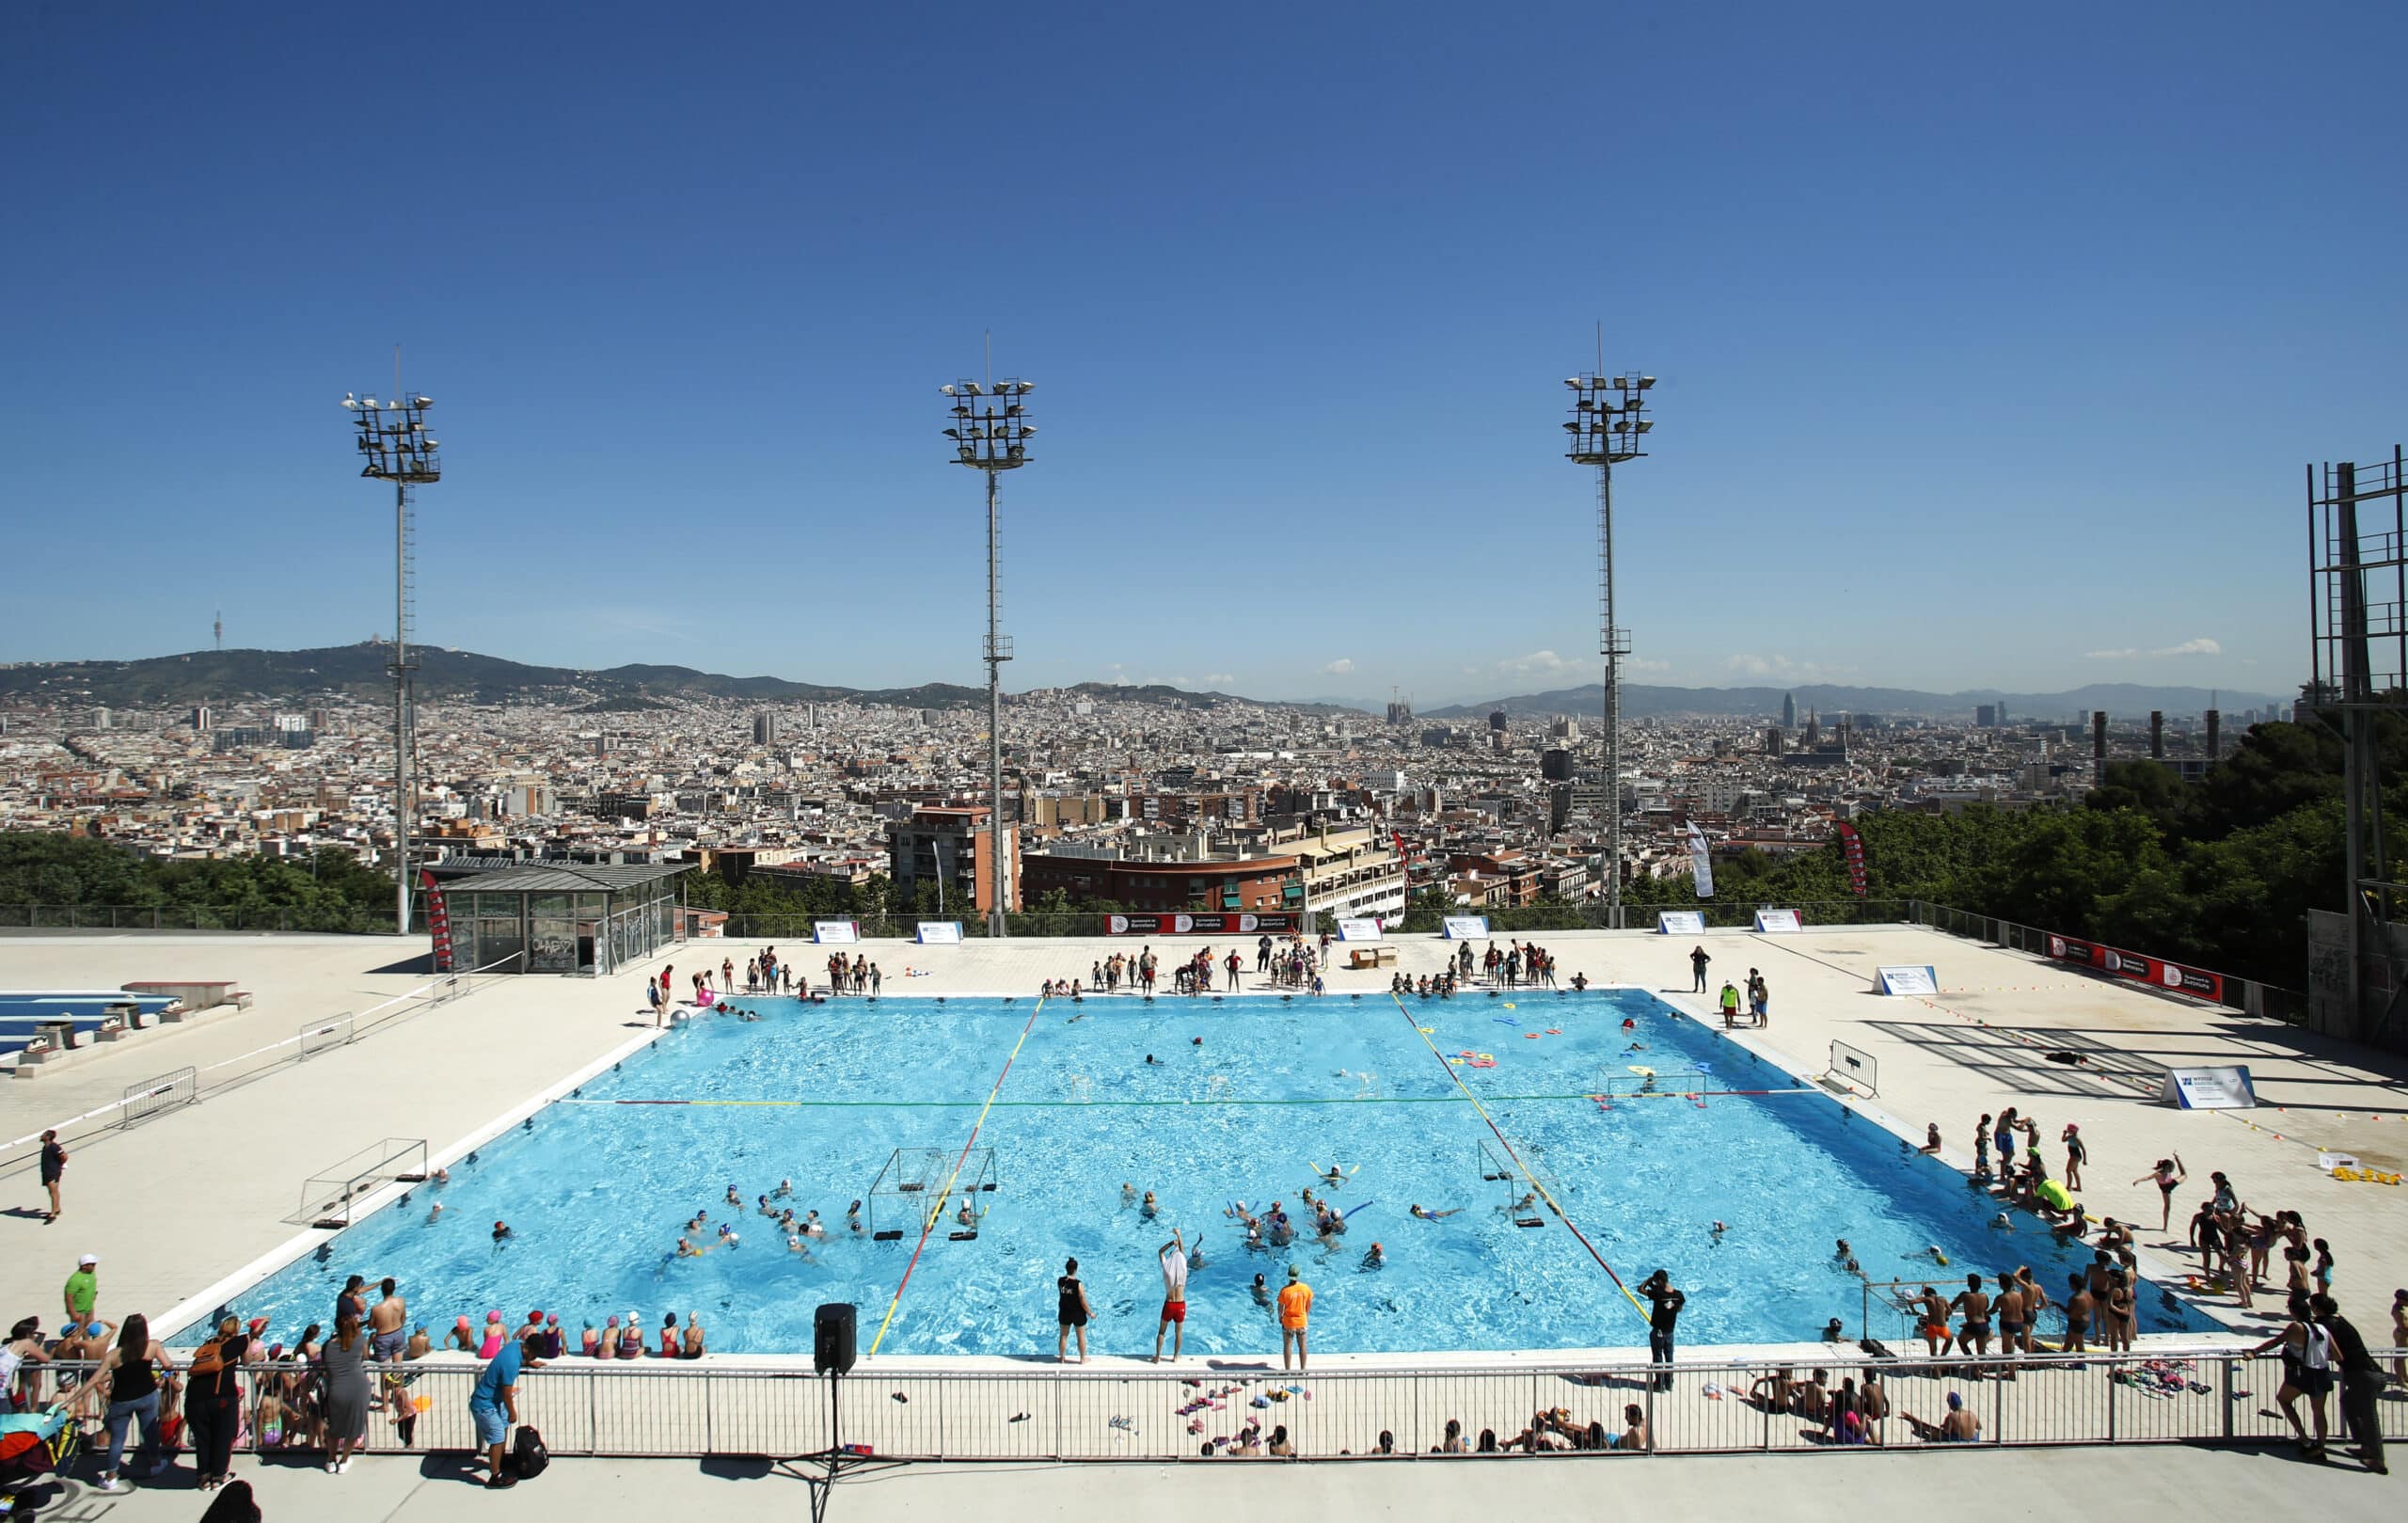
(1701, 863)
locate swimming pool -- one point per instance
(1245, 1100)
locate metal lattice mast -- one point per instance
(988, 431)
(394, 447)
(1608, 423)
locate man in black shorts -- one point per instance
(1665, 1303)
(1975, 1333)
(54, 1165)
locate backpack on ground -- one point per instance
(528, 1455)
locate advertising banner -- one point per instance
(438, 921)
(1465, 928)
(1701, 863)
(2156, 971)
(1680, 923)
(1909, 981)
(2209, 1089)
(1852, 847)
(1780, 921)
(1359, 930)
(940, 933)
(835, 932)
(1197, 925)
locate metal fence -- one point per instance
(1046, 1412)
(349, 920)
(2273, 1001)
(193, 1085)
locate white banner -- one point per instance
(1680, 923)
(1465, 928)
(1777, 920)
(2210, 1088)
(940, 933)
(1701, 863)
(1909, 981)
(834, 932)
(1358, 930)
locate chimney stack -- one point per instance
(2215, 732)
(2157, 734)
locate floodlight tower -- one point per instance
(1608, 425)
(989, 429)
(394, 447)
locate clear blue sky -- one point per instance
(1991, 341)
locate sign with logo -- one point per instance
(835, 932)
(2156, 971)
(1680, 923)
(1359, 930)
(1909, 981)
(438, 921)
(2210, 1088)
(940, 933)
(1196, 925)
(1464, 927)
(1777, 921)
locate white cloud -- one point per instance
(1780, 666)
(2200, 646)
(1344, 666)
(1538, 663)
(1218, 679)
(1641, 663)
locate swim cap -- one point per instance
(462, 1323)
(1955, 1400)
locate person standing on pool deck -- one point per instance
(1730, 1003)
(1072, 1313)
(1975, 1334)
(82, 1289)
(1173, 1257)
(386, 1321)
(1664, 1315)
(1295, 1314)
(1698, 960)
(54, 1165)
(493, 1407)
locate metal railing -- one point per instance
(761, 1407)
(348, 920)
(2254, 996)
(217, 1078)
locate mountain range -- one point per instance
(2121, 700)
(222, 676)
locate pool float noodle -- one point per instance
(972, 1141)
(1569, 1224)
(1343, 1214)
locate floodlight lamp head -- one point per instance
(1645, 382)
(424, 402)
(972, 387)
(946, 389)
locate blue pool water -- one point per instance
(598, 1190)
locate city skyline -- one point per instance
(1298, 341)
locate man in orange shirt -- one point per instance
(1295, 1310)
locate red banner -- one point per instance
(2155, 972)
(1852, 845)
(1196, 925)
(439, 920)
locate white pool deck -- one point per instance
(193, 1204)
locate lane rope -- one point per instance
(1563, 1216)
(945, 1197)
(1103, 1105)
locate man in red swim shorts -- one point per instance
(1174, 1263)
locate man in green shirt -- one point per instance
(82, 1289)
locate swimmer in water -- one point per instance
(1846, 1257)
(1196, 1253)
(1195, 1042)
(1153, 1061)
(761, 1204)
(501, 1231)
(1717, 1231)
(732, 1198)
(686, 1249)
(2003, 1222)
(784, 1189)
(442, 1176)
(1334, 1176)
(1429, 1215)
(966, 1216)
(437, 1213)
(796, 1245)
(1147, 1208)
(811, 1227)
(729, 1235)
(1262, 1292)
(1375, 1259)
(1128, 1193)
(853, 1216)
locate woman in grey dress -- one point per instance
(344, 1363)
